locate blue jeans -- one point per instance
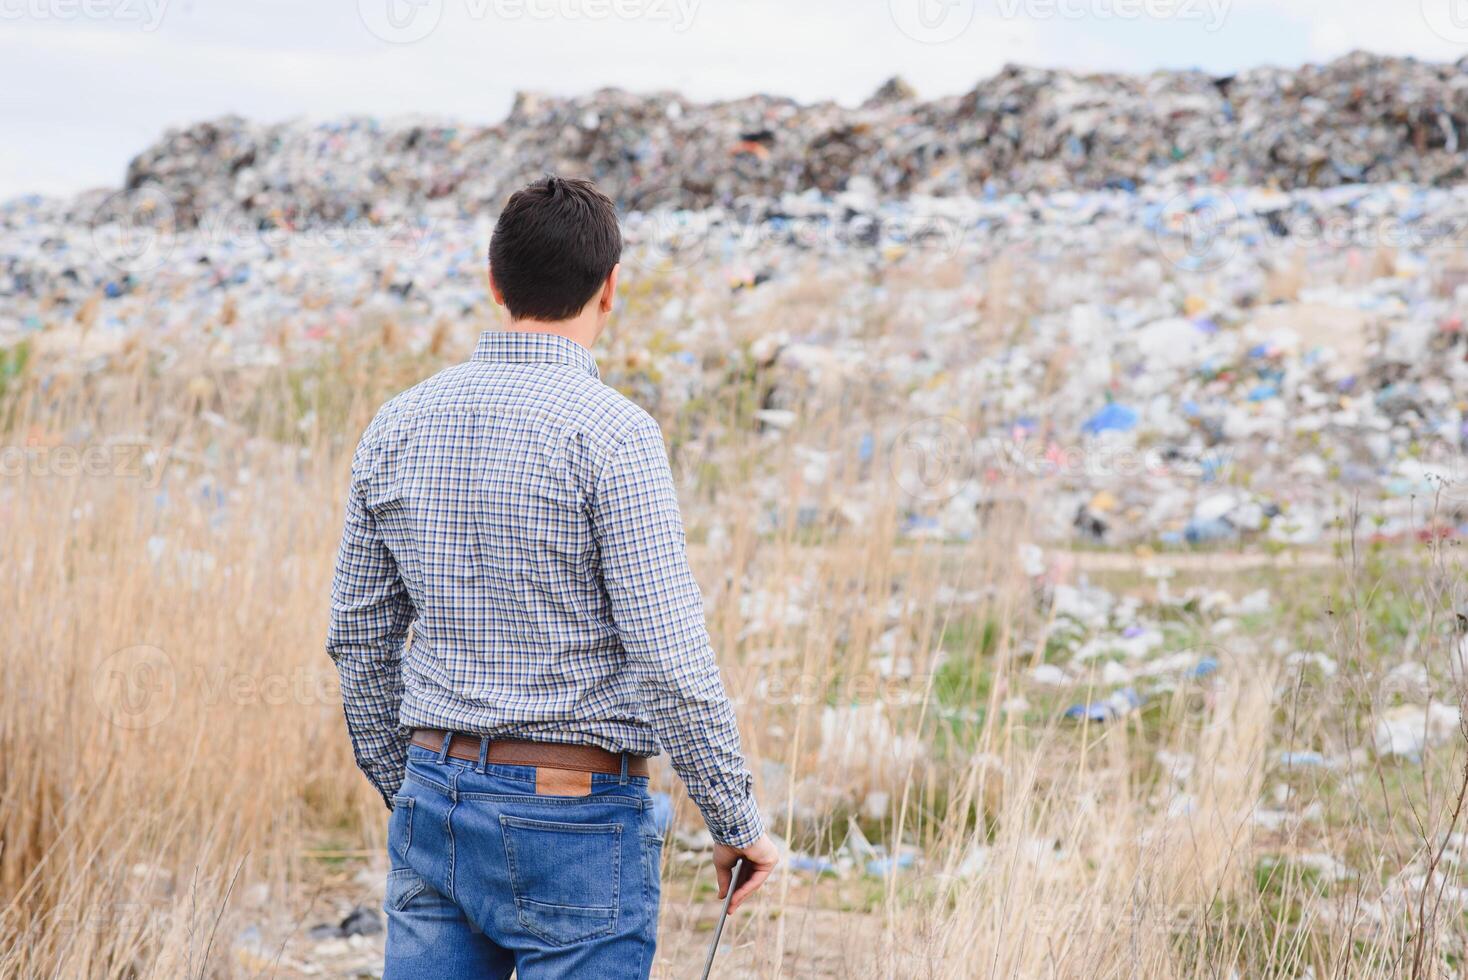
(488, 877)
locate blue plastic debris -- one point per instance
(662, 812)
(1206, 667)
(1215, 529)
(921, 523)
(884, 866)
(1115, 417)
(811, 865)
(1120, 703)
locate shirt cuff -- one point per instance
(738, 825)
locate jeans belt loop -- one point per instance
(483, 753)
(443, 753)
(624, 769)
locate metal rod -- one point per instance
(723, 914)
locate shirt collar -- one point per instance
(518, 347)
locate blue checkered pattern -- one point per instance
(520, 517)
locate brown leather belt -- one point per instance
(517, 752)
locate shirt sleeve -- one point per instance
(370, 616)
(658, 611)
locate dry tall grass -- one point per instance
(173, 751)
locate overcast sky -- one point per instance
(85, 84)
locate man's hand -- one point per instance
(760, 859)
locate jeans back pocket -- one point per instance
(565, 877)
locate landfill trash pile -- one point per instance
(1299, 359)
(1123, 307)
(1361, 118)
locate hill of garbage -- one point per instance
(1239, 316)
(1359, 119)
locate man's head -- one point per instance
(554, 254)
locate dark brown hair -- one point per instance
(554, 245)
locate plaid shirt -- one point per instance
(520, 515)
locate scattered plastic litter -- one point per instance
(662, 812)
(361, 921)
(1112, 418)
(811, 865)
(1117, 705)
(1408, 730)
(884, 866)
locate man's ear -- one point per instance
(494, 289)
(609, 289)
